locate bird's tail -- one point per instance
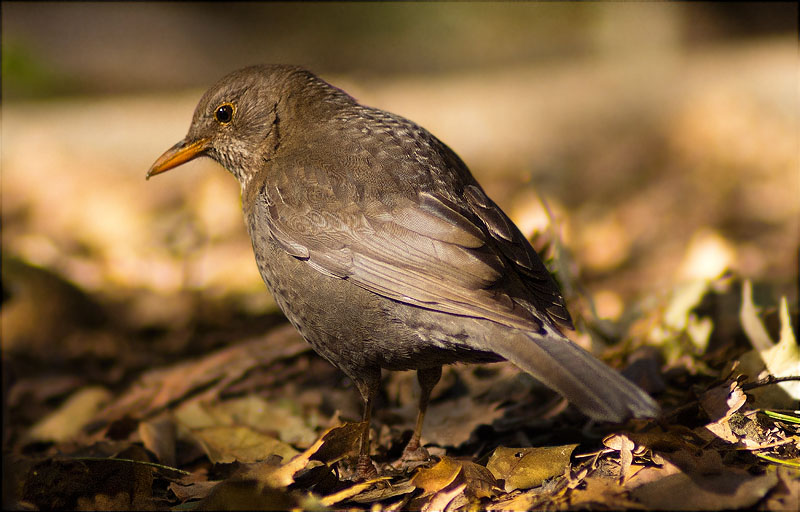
(598, 391)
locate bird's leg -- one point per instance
(365, 470)
(428, 378)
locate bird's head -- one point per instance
(238, 120)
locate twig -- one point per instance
(144, 463)
(769, 445)
(771, 379)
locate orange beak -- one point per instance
(178, 154)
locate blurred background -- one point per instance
(663, 138)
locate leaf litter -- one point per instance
(177, 438)
(153, 393)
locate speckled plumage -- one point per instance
(380, 246)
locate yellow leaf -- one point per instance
(751, 323)
(68, 420)
(436, 478)
(238, 443)
(783, 359)
(523, 468)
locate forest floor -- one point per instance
(146, 367)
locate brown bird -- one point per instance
(382, 249)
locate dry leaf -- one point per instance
(70, 483)
(732, 489)
(333, 445)
(336, 443)
(158, 436)
(194, 490)
(721, 401)
(453, 484)
(267, 416)
(442, 500)
(384, 492)
(722, 430)
(481, 483)
(684, 298)
(450, 423)
(347, 493)
(650, 474)
(227, 444)
(751, 323)
(781, 359)
(625, 447)
(68, 420)
(246, 495)
(211, 374)
(521, 502)
(602, 492)
(436, 478)
(524, 468)
(785, 496)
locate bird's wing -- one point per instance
(424, 249)
(513, 245)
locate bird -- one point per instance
(383, 250)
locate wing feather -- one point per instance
(416, 240)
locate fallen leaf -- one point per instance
(783, 360)
(346, 493)
(453, 484)
(195, 490)
(603, 492)
(684, 298)
(721, 401)
(67, 421)
(780, 359)
(334, 444)
(521, 502)
(266, 416)
(441, 500)
(481, 483)
(751, 323)
(450, 423)
(159, 436)
(786, 495)
(436, 478)
(227, 444)
(696, 462)
(120, 501)
(722, 430)
(650, 474)
(524, 468)
(246, 495)
(70, 483)
(731, 489)
(211, 374)
(625, 447)
(382, 493)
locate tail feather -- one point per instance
(598, 391)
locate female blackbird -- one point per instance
(382, 249)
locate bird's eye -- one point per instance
(224, 113)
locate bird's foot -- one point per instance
(414, 454)
(365, 469)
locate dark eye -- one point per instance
(224, 113)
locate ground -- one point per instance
(146, 367)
